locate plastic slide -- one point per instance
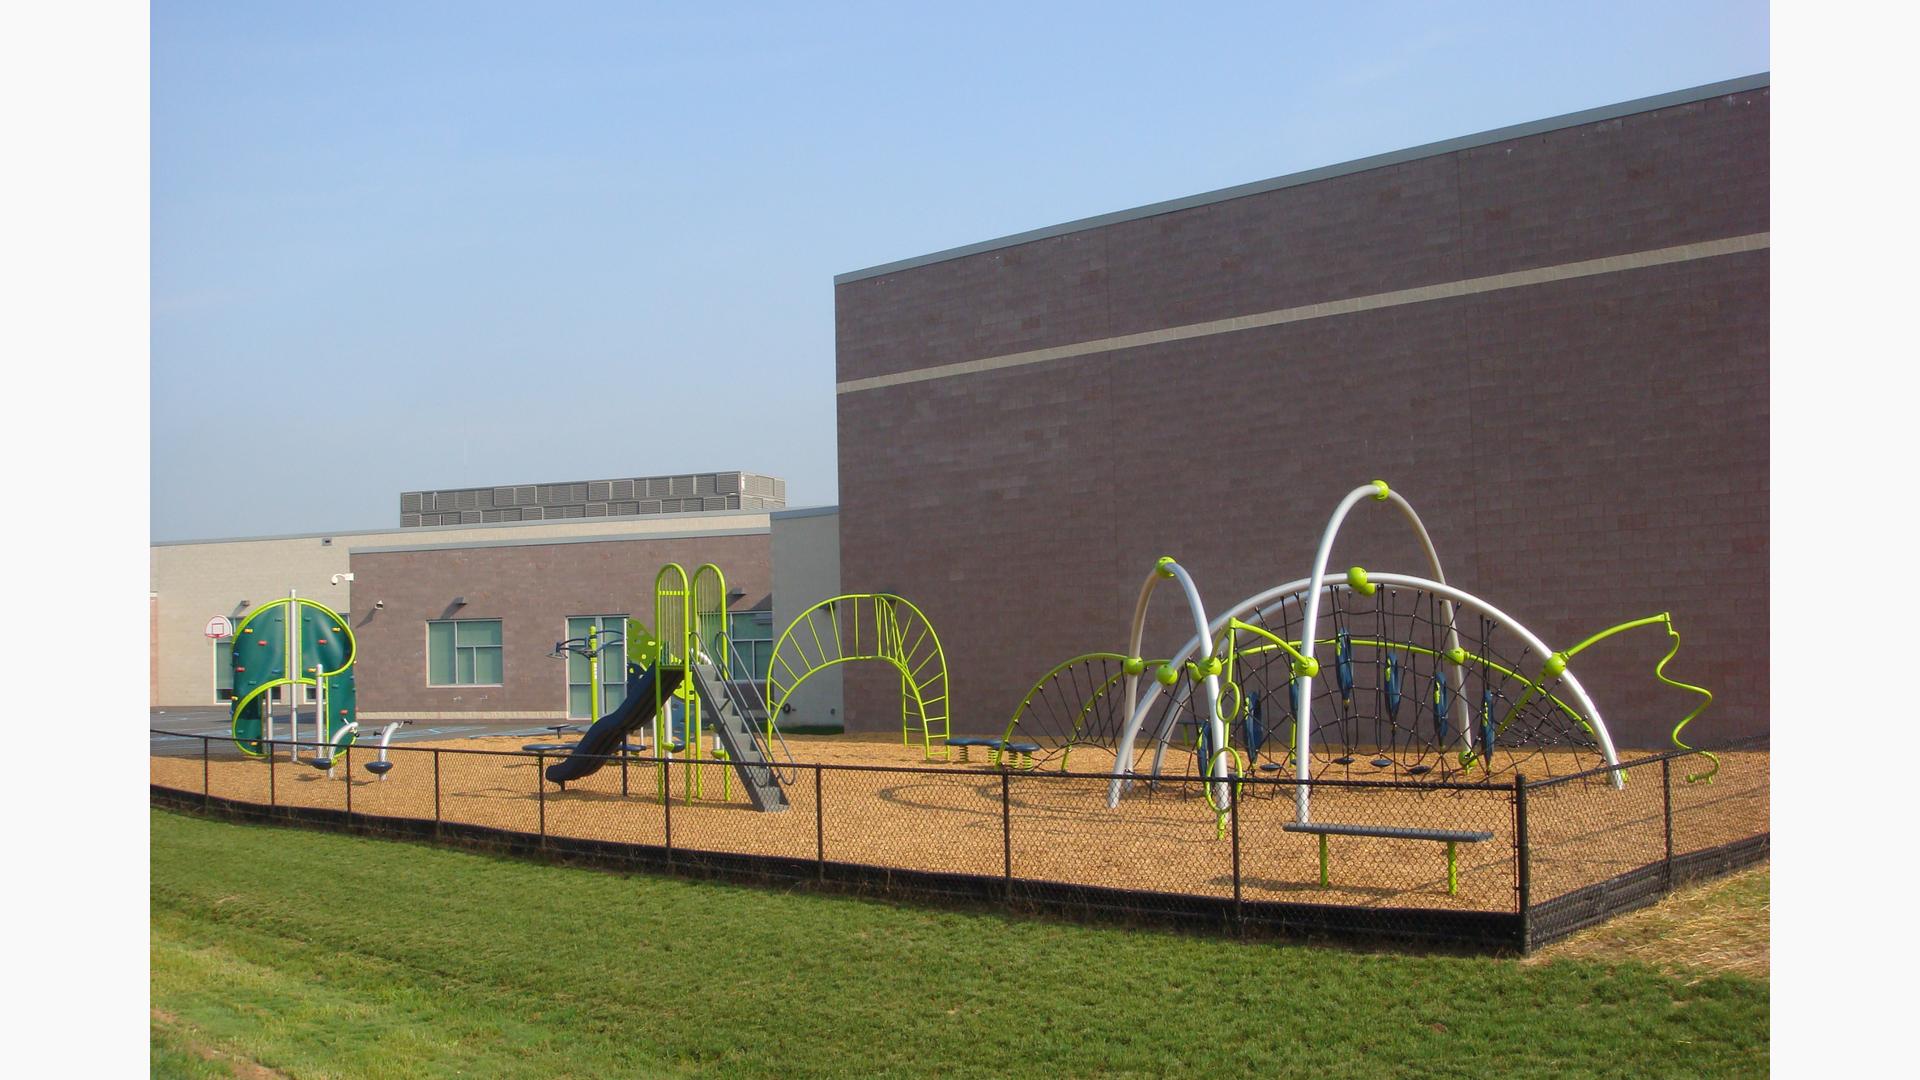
(606, 735)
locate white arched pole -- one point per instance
(1303, 684)
(1167, 568)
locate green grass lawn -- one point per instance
(282, 952)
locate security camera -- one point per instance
(338, 578)
(379, 603)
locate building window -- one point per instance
(223, 670)
(464, 652)
(751, 635)
(613, 666)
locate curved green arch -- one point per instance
(885, 641)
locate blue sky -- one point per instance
(410, 245)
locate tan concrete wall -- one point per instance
(196, 580)
(806, 570)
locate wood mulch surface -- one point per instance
(947, 817)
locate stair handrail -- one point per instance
(723, 647)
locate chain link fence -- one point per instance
(1506, 865)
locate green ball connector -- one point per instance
(1457, 655)
(1556, 664)
(1380, 490)
(1307, 668)
(1134, 665)
(1357, 581)
(1166, 674)
(1165, 566)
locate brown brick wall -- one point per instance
(1584, 452)
(532, 589)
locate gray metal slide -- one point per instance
(739, 734)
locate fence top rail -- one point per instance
(1754, 742)
(1043, 775)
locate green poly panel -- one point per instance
(325, 644)
(260, 650)
(259, 663)
(248, 723)
(342, 708)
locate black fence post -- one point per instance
(666, 804)
(1523, 853)
(1233, 809)
(206, 776)
(819, 827)
(1666, 813)
(1006, 830)
(436, 792)
(349, 761)
(273, 795)
(540, 767)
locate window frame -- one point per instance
(753, 674)
(220, 645)
(456, 684)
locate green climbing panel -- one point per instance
(261, 659)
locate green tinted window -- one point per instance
(464, 652)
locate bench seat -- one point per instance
(1449, 837)
(1390, 832)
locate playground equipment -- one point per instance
(293, 642)
(879, 627)
(591, 648)
(671, 672)
(1368, 674)
(344, 738)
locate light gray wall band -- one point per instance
(1638, 260)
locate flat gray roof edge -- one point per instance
(546, 541)
(417, 530)
(1741, 85)
(803, 512)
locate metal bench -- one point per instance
(1450, 837)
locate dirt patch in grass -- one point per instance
(1713, 928)
(180, 1040)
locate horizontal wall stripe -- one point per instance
(1612, 264)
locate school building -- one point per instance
(1551, 338)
